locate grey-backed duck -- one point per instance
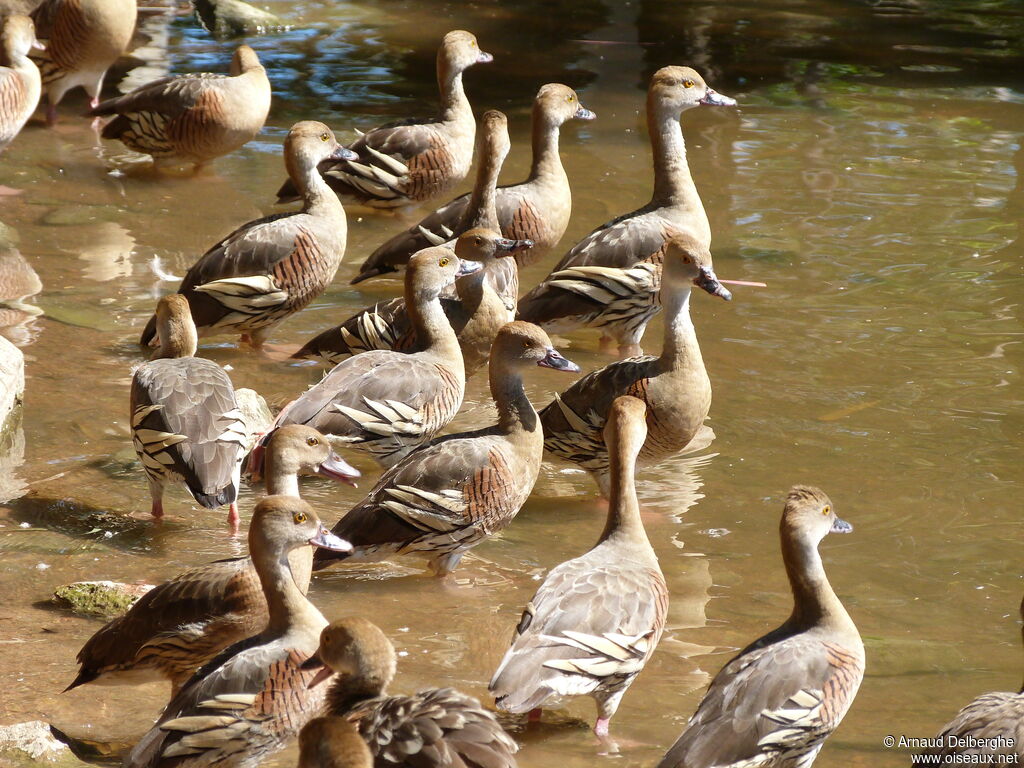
(433, 728)
(455, 491)
(640, 236)
(674, 385)
(413, 161)
(595, 621)
(184, 623)
(386, 402)
(272, 267)
(777, 701)
(20, 84)
(255, 696)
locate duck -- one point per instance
(997, 716)
(775, 703)
(184, 623)
(536, 209)
(20, 83)
(333, 742)
(476, 311)
(82, 39)
(192, 118)
(455, 491)
(637, 237)
(272, 267)
(674, 385)
(185, 422)
(433, 728)
(413, 161)
(595, 621)
(251, 699)
(492, 148)
(385, 402)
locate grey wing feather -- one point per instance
(989, 716)
(191, 398)
(777, 696)
(385, 325)
(592, 619)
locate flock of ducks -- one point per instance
(251, 661)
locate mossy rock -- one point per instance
(32, 744)
(99, 598)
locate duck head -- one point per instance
(485, 245)
(460, 50)
(556, 104)
(686, 259)
(308, 144)
(297, 449)
(520, 345)
(354, 647)
(681, 88)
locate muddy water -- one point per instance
(871, 177)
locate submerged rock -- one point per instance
(33, 744)
(12, 379)
(99, 598)
(234, 18)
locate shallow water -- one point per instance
(870, 176)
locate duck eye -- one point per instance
(478, 241)
(570, 98)
(526, 345)
(312, 441)
(300, 517)
(826, 509)
(324, 136)
(687, 83)
(444, 262)
(687, 260)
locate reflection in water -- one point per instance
(107, 250)
(18, 282)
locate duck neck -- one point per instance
(433, 330)
(515, 411)
(470, 288)
(178, 338)
(679, 345)
(287, 604)
(547, 162)
(673, 184)
(623, 508)
(814, 601)
(318, 198)
(348, 691)
(280, 479)
(482, 209)
(454, 104)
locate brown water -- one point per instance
(871, 177)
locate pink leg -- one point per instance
(9, 191)
(51, 114)
(534, 715)
(157, 509)
(233, 518)
(601, 727)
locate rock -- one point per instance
(99, 598)
(234, 18)
(257, 415)
(33, 744)
(12, 379)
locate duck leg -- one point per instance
(233, 518)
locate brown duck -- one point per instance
(192, 119)
(271, 268)
(333, 742)
(638, 237)
(386, 402)
(82, 38)
(674, 385)
(185, 421)
(595, 621)
(776, 702)
(434, 728)
(182, 624)
(455, 491)
(413, 161)
(476, 311)
(536, 209)
(20, 83)
(246, 703)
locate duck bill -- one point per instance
(554, 359)
(323, 671)
(327, 540)
(484, 58)
(337, 468)
(509, 247)
(342, 153)
(467, 267)
(715, 99)
(584, 114)
(841, 526)
(709, 282)
(38, 45)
